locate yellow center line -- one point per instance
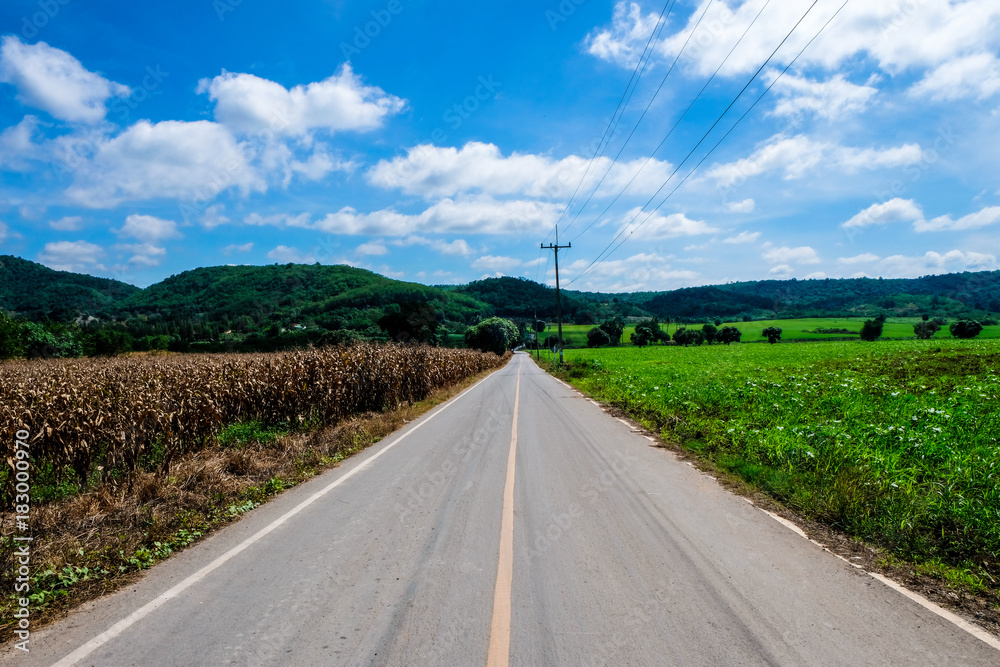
(499, 653)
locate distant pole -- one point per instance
(556, 247)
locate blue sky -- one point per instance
(441, 142)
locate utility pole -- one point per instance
(556, 247)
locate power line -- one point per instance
(678, 122)
(731, 129)
(609, 130)
(643, 115)
(609, 249)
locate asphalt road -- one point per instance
(616, 554)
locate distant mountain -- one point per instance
(948, 295)
(37, 292)
(250, 298)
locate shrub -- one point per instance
(598, 337)
(773, 334)
(965, 329)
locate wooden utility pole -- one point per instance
(556, 247)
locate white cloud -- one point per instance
(455, 248)
(214, 217)
(624, 41)
(18, 147)
(496, 263)
(431, 171)
(230, 249)
(864, 258)
(190, 161)
(643, 271)
(69, 223)
(816, 275)
(51, 79)
(987, 216)
(148, 228)
(828, 99)
(659, 226)
(252, 105)
(954, 261)
(742, 237)
(745, 206)
(76, 256)
(975, 76)
(787, 255)
(794, 156)
(143, 254)
(898, 36)
(476, 215)
(781, 271)
(284, 255)
(894, 210)
(906, 210)
(372, 248)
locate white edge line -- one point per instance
(955, 619)
(973, 630)
(149, 607)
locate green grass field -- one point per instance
(895, 442)
(895, 327)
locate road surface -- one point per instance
(428, 549)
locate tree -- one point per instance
(685, 337)
(718, 323)
(614, 327)
(651, 331)
(728, 335)
(872, 329)
(598, 337)
(414, 322)
(965, 329)
(495, 335)
(710, 332)
(11, 344)
(773, 334)
(924, 330)
(640, 337)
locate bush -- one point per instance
(495, 334)
(773, 334)
(687, 337)
(872, 329)
(926, 329)
(598, 337)
(965, 329)
(710, 332)
(728, 335)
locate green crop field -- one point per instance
(895, 442)
(895, 327)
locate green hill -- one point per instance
(204, 303)
(36, 292)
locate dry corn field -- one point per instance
(98, 420)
